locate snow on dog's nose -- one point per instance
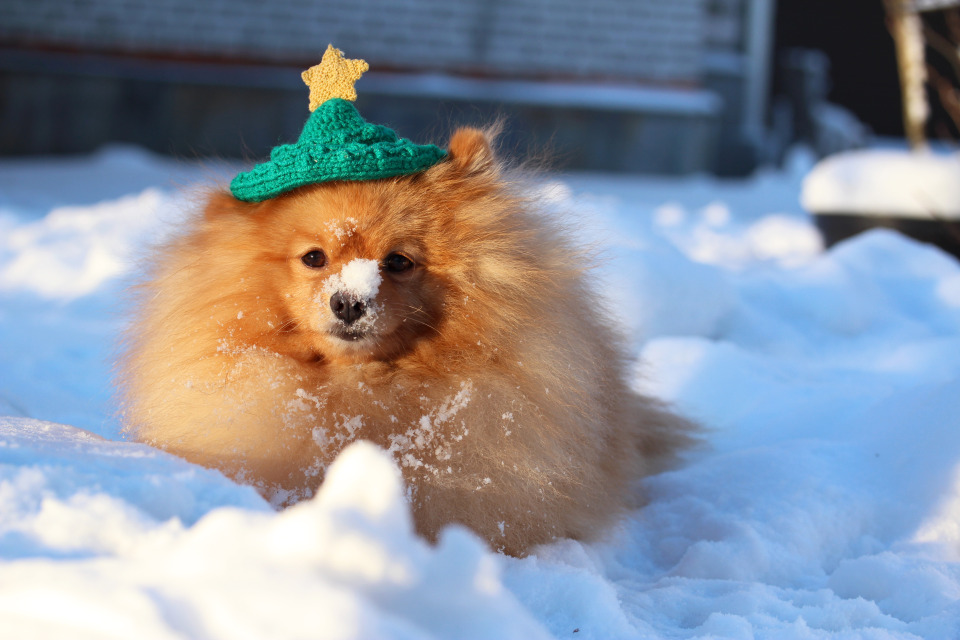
(352, 291)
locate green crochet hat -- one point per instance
(336, 142)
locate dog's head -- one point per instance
(364, 270)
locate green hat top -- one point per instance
(336, 142)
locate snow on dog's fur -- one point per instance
(437, 315)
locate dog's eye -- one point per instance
(314, 259)
(397, 263)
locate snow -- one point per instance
(914, 184)
(344, 565)
(824, 503)
(360, 278)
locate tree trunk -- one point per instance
(906, 28)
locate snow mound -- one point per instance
(885, 182)
(95, 560)
(42, 463)
(824, 504)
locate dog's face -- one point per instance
(360, 282)
(359, 271)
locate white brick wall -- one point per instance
(642, 39)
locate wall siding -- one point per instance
(627, 39)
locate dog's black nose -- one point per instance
(346, 308)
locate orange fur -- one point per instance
(492, 373)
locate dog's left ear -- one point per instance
(470, 151)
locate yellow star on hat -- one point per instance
(333, 77)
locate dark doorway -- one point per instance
(854, 36)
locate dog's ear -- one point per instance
(471, 152)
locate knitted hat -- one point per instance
(336, 142)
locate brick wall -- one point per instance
(658, 40)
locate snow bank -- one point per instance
(73, 251)
(824, 504)
(94, 548)
(42, 464)
(888, 182)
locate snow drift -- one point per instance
(825, 502)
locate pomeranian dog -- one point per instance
(439, 315)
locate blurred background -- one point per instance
(646, 86)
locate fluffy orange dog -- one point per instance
(437, 315)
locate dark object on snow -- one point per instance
(943, 233)
(801, 112)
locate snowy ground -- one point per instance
(826, 502)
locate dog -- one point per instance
(442, 316)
